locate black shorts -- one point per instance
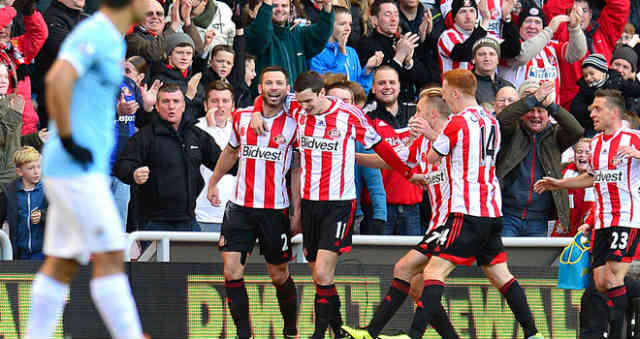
(427, 244)
(241, 226)
(326, 225)
(466, 238)
(617, 243)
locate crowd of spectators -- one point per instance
(191, 63)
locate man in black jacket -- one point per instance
(164, 159)
(61, 17)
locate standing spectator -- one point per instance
(179, 69)
(61, 17)
(505, 97)
(273, 41)
(206, 16)
(602, 35)
(149, 39)
(486, 54)
(596, 75)
(244, 95)
(390, 118)
(540, 55)
(164, 159)
(217, 123)
(531, 148)
(625, 61)
(18, 52)
(398, 49)
(337, 57)
(24, 205)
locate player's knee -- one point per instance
(278, 273)
(233, 271)
(322, 276)
(403, 270)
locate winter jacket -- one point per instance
(219, 19)
(153, 47)
(60, 21)
(288, 47)
(602, 36)
(16, 205)
(330, 60)
(371, 178)
(517, 143)
(167, 74)
(411, 79)
(174, 159)
(29, 44)
(394, 130)
(487, 87)
(586, 94)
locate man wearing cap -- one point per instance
(624, 60)
(456, 44)
(149, 38)
(540, 56)
(179, 68)
(602, 35)
(531, 148)
(486, 55)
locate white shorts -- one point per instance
(82, 218)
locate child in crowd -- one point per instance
(221, 67)
(580, 200)
(23, 205)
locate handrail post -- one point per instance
(162, 251)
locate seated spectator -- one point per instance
(374, 221)
(149, 39)
(486, 54)
(217, 123)
(337, 57)
(455, 47)
(18, 52)
(179, 68)
(531, 148)
(581, 200)
(603, 32)
(596, 75)
(273, 41)
(625, 61)
(207, 16)
(24, 206)
(163, 158)
(390, 118)
(505, 97)
(540, 56)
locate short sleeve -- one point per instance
(80, 50)
(234, 138)
(364, 132)
(449, 136)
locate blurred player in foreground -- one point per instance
(83, 219)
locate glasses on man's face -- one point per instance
(150, 14)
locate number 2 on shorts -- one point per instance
(285, 246)
(619, 240)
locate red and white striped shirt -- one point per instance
(437, 178)
(327, 147)
(471, 142)
(616, 180)
(543, 67)
(264, 160)
(449, 39)
(495, 8)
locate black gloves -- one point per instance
(77, 152)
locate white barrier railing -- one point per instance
(7, 249)
(163, 251)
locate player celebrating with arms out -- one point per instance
(259, 207)
(327, 131)
(615, 177)
(83, 219)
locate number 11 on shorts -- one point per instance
(340, 229)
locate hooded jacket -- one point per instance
(174, 159)
(288, 47)
(330, 60)
(518, 142)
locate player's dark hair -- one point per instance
(375, 8)
(309, 80)
(274, 69)
(219, 85)
(614, 98)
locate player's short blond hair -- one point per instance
(25, 155)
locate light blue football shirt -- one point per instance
(96, 50)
